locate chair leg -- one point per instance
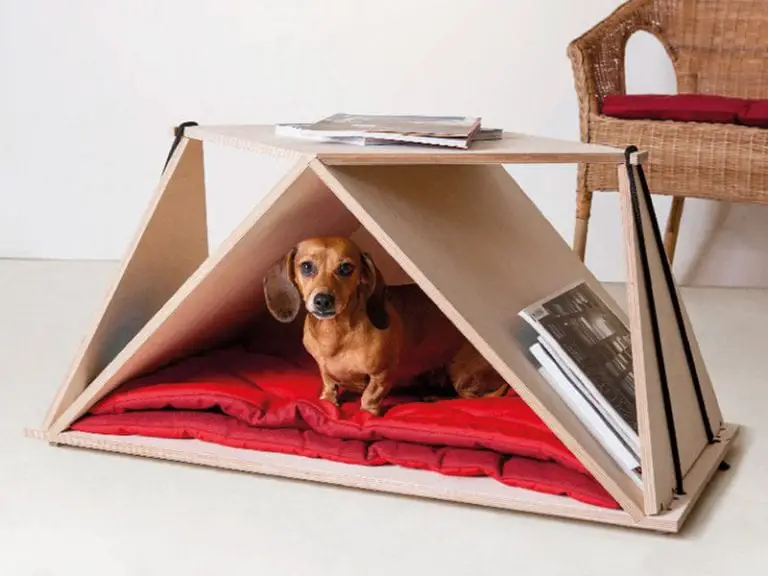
(583, 210)
(673, 226)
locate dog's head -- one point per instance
(328, 276)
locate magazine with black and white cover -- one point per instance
(571, 392)
(593, 346)
(595, 423)
(630, 440)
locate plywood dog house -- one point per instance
(456, 223)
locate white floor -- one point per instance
(65, 511)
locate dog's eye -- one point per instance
(307, 268)
(345, 269)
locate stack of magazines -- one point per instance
(583, 350)
(376, 130)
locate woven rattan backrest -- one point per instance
(722, 45)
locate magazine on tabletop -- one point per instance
(373, 129)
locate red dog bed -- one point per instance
(255, 401)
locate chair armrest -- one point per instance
(597, 56)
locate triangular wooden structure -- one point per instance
(456, 223)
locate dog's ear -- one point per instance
(375, 293)
(280, 290)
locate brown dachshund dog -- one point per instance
(367, 337)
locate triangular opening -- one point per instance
(171, 242)
(477, 247)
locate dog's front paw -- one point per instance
(375, 410)
(330, 394)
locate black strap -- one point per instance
(637, 215)
(678, 312)
(178, 133)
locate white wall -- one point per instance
(88, 90)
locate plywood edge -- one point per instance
(196, 250)
(393, 480)
(622, 489)
(652, 431)
(482, 492)
(100, 385)
(377, 478)
(491, 158)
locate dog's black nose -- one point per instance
(324, 302)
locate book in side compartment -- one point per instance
(587, 413)
(627, 437)
(587, 337)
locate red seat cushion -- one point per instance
(677, 107)
(756, 114)
(254, 401)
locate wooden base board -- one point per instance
(397, 480)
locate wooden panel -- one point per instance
(170, 243)
(391, 271)
(397, 480)
(651, 423)
(659, 480)
(225, 293)
(482, 251)
(512, 149)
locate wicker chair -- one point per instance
(717, 47)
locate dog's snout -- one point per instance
(324, 302)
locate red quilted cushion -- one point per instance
(677, 107)
(756, 114)
(254, 401)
